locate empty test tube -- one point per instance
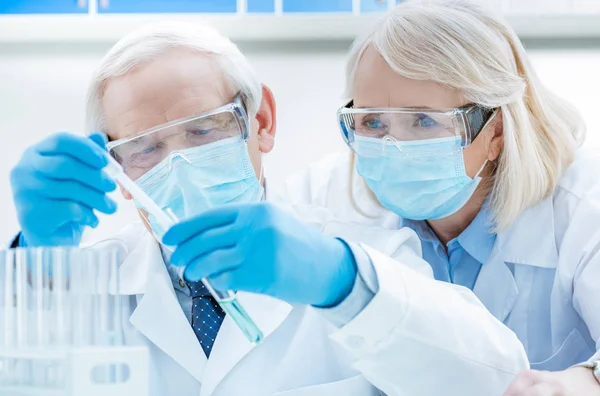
(7, 261)
(22, 288)
(39, 283)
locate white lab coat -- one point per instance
(542, 278)
(416, 337)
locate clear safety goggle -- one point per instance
(406, 126)
(141, 152)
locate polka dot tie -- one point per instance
(207, 316)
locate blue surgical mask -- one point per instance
(192, 180)
(417, 180)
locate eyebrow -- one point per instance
(137, 141)
(395, 107)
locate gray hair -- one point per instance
(147, 43)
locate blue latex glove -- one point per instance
(259, 248)
(56, 185)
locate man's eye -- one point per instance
(148, 150)
(200, 132)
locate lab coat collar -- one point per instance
(495, 286)
(231, 346)
(529, 241)
(158, 315)
(531, 238)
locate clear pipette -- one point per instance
(227, 300)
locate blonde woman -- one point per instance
(453, 135)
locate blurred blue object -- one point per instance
(373, 5)
(317, 5)
(170, 6)
(261, 6)
(41, 7)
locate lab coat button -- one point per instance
(181, 283)
(355, 342)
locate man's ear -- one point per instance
(267, 121)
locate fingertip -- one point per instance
(170, 237)
(92, 220)
(166, 239)
(190, 275)
(175, 260)
(111, 206)
(109, 185)
(100, 139)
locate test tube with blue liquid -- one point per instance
(227, 300)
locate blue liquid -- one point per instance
(234, 309)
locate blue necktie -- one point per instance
(207, 316)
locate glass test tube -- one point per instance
(22, 365)
(7, 266)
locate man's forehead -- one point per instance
(171, 87)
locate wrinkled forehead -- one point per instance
(176, 85)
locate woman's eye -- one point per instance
(424, 121)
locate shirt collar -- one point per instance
(174, 271)
(424, 232)
(477, 239)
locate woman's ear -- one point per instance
(497, 140)
(267, 121)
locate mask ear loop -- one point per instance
(492, 117)
(481, 169)
(261, 180)
(262, 170)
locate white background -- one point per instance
(43, 86)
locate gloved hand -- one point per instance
(259, 248)
(57, 184)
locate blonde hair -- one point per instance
(465, 46)
(151, 41)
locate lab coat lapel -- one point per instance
(495, 286)
(529, 241)
(158, 315)
(231, 346)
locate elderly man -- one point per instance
(188, 119)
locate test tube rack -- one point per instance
(61, 331)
